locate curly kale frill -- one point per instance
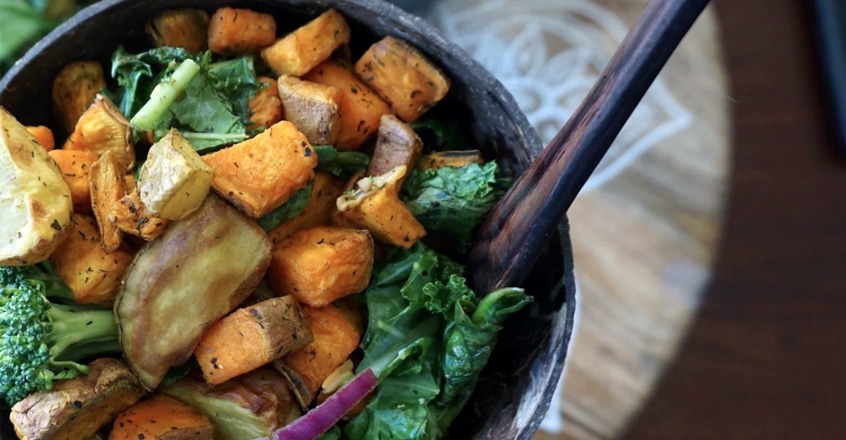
(42, 336)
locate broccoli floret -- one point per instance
(43, 334)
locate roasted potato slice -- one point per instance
(174, 180)
(183, 27)
(312, 107)
(246, 407)
(74, 89)
(107, 186)
(162, 418)
(35, 201)
(178, 285)
(77, 408)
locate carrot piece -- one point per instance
(44, 136)
(265, 107)
(75, 166)
(260, 174)
(103, 127)
(318, 208)
(359, 106)
(403, 77)
(107, 185)
(234, 30)
(251, 337)
(322, 264)
(335, 338)
(161, 418)
(302, 50)
(74, 89)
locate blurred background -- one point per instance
(709, 245)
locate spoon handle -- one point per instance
(519, 226)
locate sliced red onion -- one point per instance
(317, 421)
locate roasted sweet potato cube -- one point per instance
(174, 180)
(79, 407)
(107, 185)
(92, 273)
(335, 338)
(133, 217)
(251, 337)
(162, 418)
(376, 206)
(265, 107)
(457, 159)
(44, 136)
(359, 106)
(260, 174)
(397, 144)
(301, 50)
(320, 205)
(74, 89)
(403, 77)
(234, 30)
(322, 264)
(249, 406)
(75, 167)
(183, 27)
(312, 107)
(103, 127)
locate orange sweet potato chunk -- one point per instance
(234, 30)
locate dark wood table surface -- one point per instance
(766, 356)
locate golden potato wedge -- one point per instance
(170, 297)
(162, 418)
(301, 50)
(312, 107)
(260, 174)
(77, 408)
(251, 337)
(103, 127)
(81, 261)
(322, 264)
(74, 89)
(35, 201)
(403, 77)
(249, 406)
(174, 180)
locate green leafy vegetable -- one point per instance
(440, 134)
(452, 201)
(341, 164)
(290, 209)
(427, 339)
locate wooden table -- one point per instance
(766, 356)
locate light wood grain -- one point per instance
(644, 246)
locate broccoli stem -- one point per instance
(78, 333)
(164, 95)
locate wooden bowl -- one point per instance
(515, 390)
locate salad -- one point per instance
(246, 233)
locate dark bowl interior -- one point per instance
(515, 390)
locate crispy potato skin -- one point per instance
(260, 174)
(336, 336)
(162, 418)
(169, 298)
(360, 107)
(247, 407)
(35, 201)
(312, 107)
(75, 167)
(92, 273)
(234, 30)
(298, 52)
(403, 77)
(184, 27)
(397, 144)
(74, 89)
(251, 337)
(322, 264)
(77, 408)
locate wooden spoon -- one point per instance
(517, 229)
